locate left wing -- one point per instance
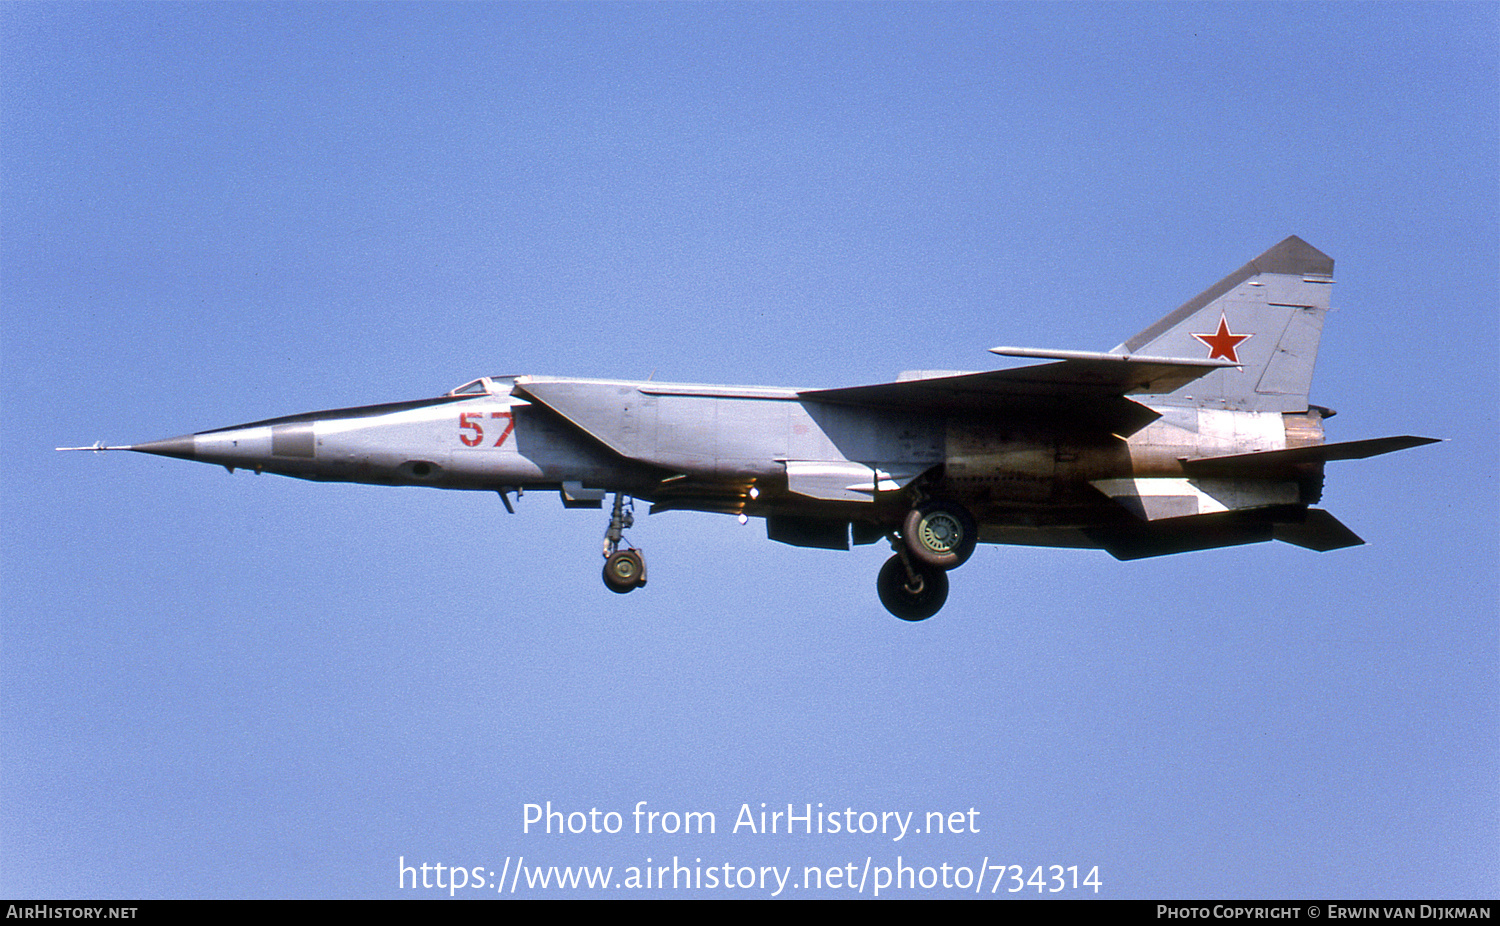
(1087, 388)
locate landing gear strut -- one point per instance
(624, 570)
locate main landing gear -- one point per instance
(940, 533)
(936, 536)
(624, 569)
(911, 590)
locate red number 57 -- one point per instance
(471, 432)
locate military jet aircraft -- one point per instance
(1195, 433)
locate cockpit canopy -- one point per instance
(485, 385)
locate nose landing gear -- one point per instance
(624, 569)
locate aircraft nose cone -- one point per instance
(184, 447)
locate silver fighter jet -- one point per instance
(1195, 433)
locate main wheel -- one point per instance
(941, 534)
(899, 597)
(625, 571)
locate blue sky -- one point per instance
(241, 686)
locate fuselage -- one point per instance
(760, 451)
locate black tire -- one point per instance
(941, 534)
(624, 571)
(901, 600)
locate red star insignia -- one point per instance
(1221, 344)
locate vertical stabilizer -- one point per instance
(1266, 317)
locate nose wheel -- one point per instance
(624, 569)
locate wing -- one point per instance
(1086, 389)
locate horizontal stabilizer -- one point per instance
(1270, 463)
